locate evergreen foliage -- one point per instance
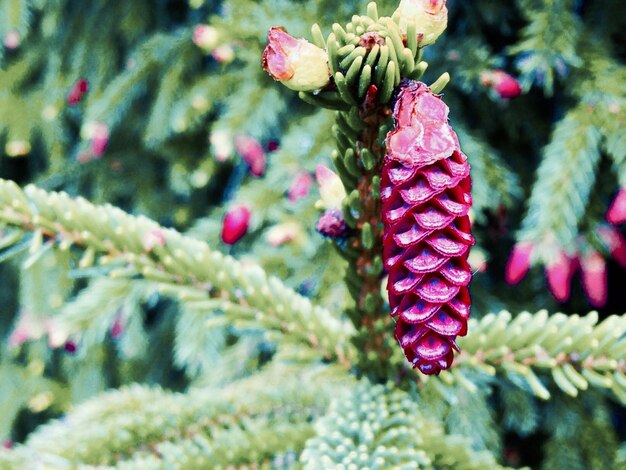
(136, 338)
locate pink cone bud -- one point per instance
(205, 37)
(77, 92)
(296, 63)
(505, 85)
(518, 263)
(153, 238)
(29, 327)
(430, 18)
(224, 54)
(617, 210)
(8, 444)
(300, 186)
(12, 40)
(70, 347)
(330, 186)
(235, 224)
(559, 276)
(221, 144)
(594, 277)
(100, 139)
(117, 329)
(283, 233)
(616, 243)
(252, 153)
(331, 224)
(57, 333)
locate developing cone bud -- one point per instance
(505, 85)
(235, 224)
(615, 242)
(284, 233)
(559, 276)
(594, 277)
(221, 144)
(296, 63)
(518, 263)
(12, 40)
(77, 92)
(617, 210)
(98, 135)
(430, 18)
(300, 186)
(330, 186)
(425, 192)
(205, 37)
(332, 224)
(223, 54)
(252, 153)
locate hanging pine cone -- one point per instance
(425, 199)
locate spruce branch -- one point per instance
(181, 265)
(564, 181)
(552, 34)
(380, 427)
(577, 352)
(246, 422)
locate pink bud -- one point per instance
(296, 63)
(70, 347)
(154, 237)
(505, 85)
(429, 16)
(330, 187)
(617, 210)
(29, 327)
(300, 186)
(221, 144)
(518, 263)
(283, 233)
(594, 277)
(18, 336)
(224, 54)
(616, 243)
(559, 275)
(12, 40)
(235, 224)
(252, 153)
(205, 37)
(332, 224)
(8, 444)
(77, 92)
(100, 139)
(117, 329)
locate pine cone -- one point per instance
(426, 197)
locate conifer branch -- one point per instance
(377, 427)
(552, 34)
(564, 181)
(577, 352)
(181, 265)
(244, 423)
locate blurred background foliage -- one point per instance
(131, 104)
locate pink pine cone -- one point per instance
(426, 197)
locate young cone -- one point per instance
(426, 197)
